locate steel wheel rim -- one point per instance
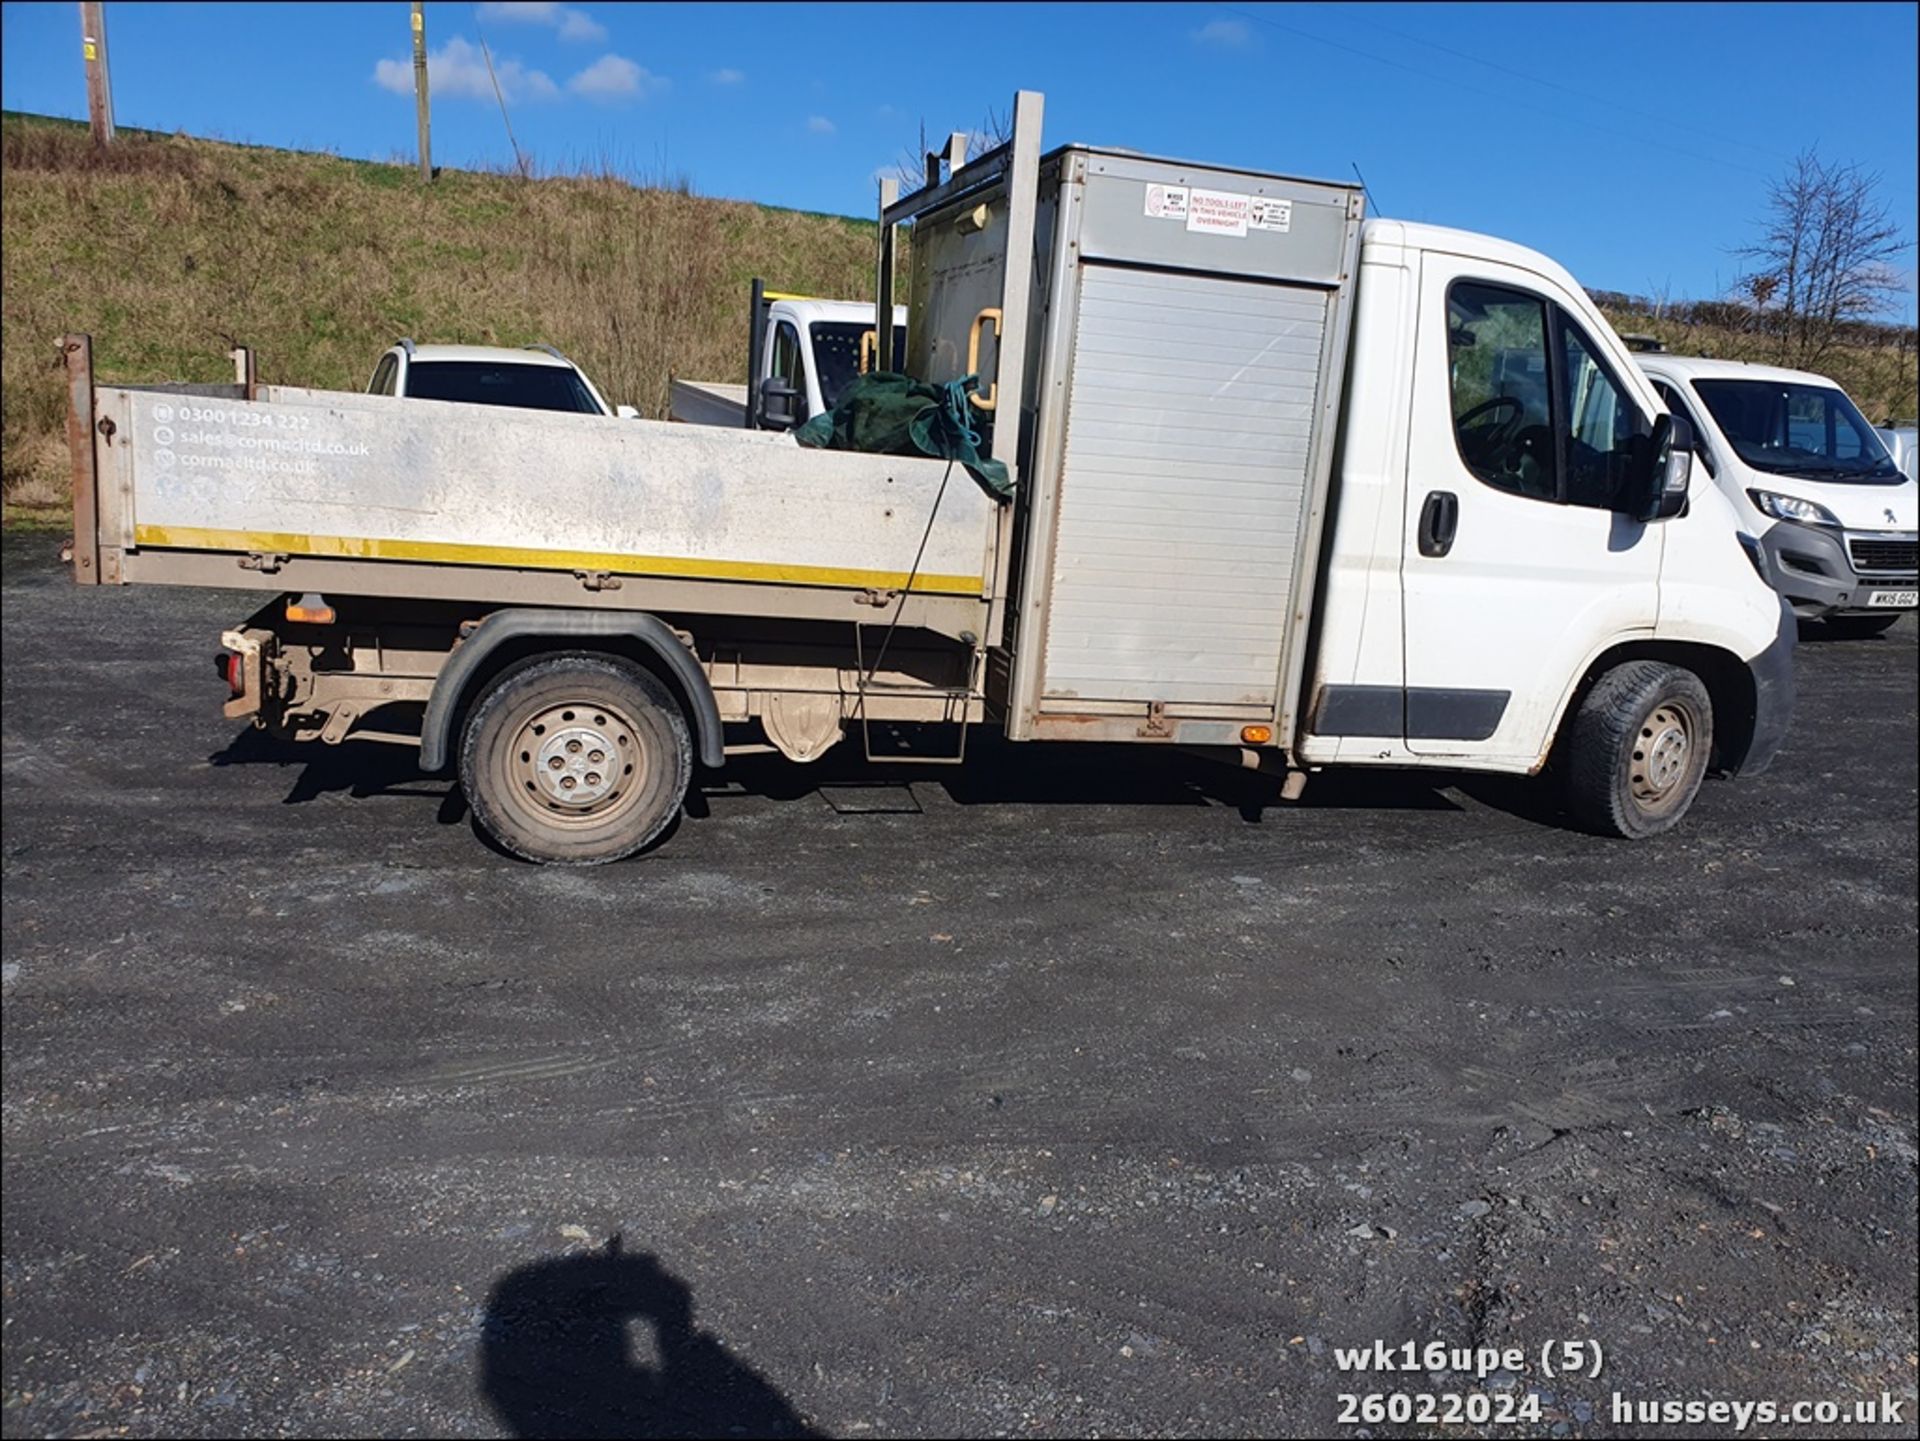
(576, 763)
(1662, 755)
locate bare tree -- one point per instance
(994, 130)
(1824, 262)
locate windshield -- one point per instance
(836, 350)
(492, 382)
(1793, 429)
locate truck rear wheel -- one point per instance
(576, 760)
(1638, 749)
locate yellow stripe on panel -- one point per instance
(171, 537)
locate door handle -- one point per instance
(1439, 518)
(988, 316)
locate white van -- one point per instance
(1831, 518)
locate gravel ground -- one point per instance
(1074, 1093)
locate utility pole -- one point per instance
(420, 87)
(93, 45)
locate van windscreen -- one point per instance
(1790, 428)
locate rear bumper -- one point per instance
(1772, 672)
(1810, 565)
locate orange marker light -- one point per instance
(1256, 735)
(311, 608)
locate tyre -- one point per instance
(575, 760)
(1859, 627)
(1638, 749)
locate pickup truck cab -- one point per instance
(806, 350)
(530, 378)
(1828, 515)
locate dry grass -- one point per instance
(1883, 378)
(170, 250)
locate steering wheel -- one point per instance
(1493, 436)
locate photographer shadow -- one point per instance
(558, 1356)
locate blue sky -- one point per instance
(1631, 142)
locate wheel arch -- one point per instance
(1730, 687)
(517, 633)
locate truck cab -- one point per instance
(533, 377)
(1497, 568)
(1831, 517)
(818, 346)
(803, 353)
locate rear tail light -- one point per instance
(233, 670)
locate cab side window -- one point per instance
(1536, 412)
(382, 382)
(1605, 434)
(789, 365)
(1502, 410)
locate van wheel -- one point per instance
(576, 760)
(1638, 749)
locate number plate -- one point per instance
(1894, 599)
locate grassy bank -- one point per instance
(169, 250)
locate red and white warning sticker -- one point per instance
(1218, 212)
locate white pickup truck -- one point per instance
(1288, 487)
(1831, 519)
(801, 354)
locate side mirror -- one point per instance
(1669, 470)
(626, 412)
(779, 404)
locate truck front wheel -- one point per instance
(1638, 749)
(575, 760)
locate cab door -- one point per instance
(1518, 560)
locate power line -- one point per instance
(1584, 94)
(1372, 209)
(518, 159)
(1455, 86)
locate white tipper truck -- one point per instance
(1289, 487)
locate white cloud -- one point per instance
(728, 77)
(578, 25)
(820, 125)
(458, 69)
(614, 77)
(1225, 34)
(571, 23)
